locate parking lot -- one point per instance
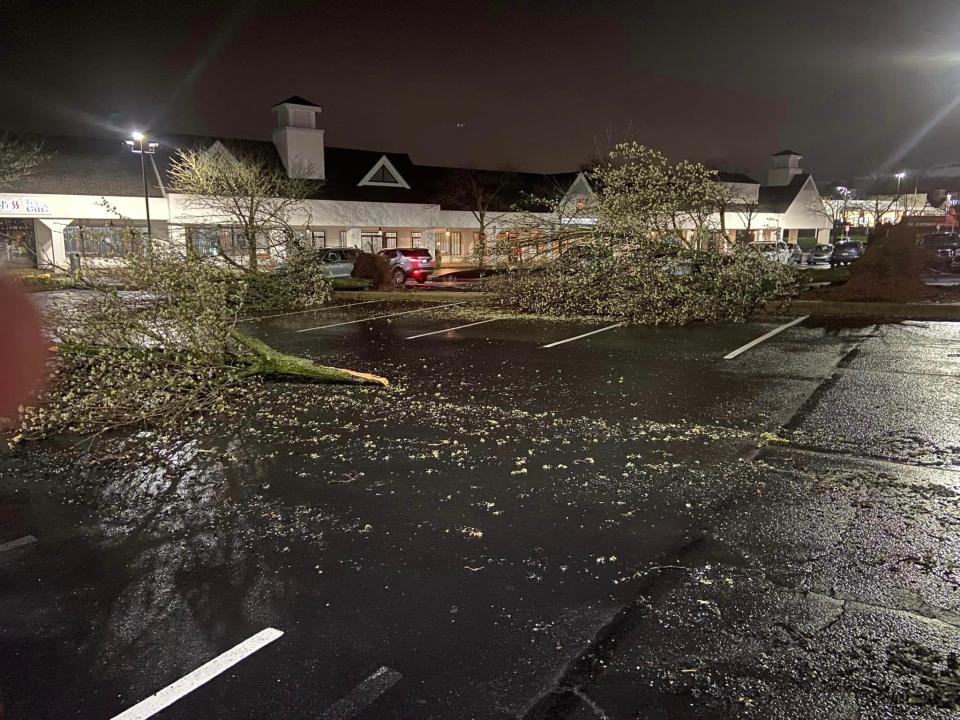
(536, 519)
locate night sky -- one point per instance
(540, 86)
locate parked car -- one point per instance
(773, 250)
(820, 254)
(945, 248)
(339, 261)
(845, 252)
(415, 263)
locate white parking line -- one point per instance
(775, 331)
(381, 317)
(458, 327)
(320, 309)
(362, 695)
(19, 542)
(592, 332)
(206, 672)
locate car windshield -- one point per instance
(415, 252)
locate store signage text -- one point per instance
(25, 206)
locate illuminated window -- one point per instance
(456, 246)
(416, 239)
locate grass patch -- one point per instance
(834, 275)
(351, 284)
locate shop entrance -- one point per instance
(18, 244)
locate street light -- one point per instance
(136, 145)
(900, 176)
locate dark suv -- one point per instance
(415, 263)
(845, 252)
(945, 248)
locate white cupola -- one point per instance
(783, 167)
(298, 139)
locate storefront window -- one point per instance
(104, 240)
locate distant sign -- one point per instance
(24, 206)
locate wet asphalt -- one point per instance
(623, 526)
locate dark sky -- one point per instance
(538, 85)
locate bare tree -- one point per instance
(248, 192)
(19, 158)
(487, 195)
(547, 221)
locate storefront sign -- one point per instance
(24, 206)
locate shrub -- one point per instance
(671, 286)
(300, 282)
(375, 268)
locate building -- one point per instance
(90, 199)
(788, 207)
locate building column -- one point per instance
(353, 238)
(48, 236)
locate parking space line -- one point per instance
(381, 317)
(206, 672)
(320, 309)
(588, 334)
(775, 331)
(458, 327)
(19, 542)
(362, 695)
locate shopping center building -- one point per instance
(90, 198)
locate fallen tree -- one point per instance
(891, 269)
(644, 248)
(166, 347)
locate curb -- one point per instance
(883, 310)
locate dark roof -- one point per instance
(778, 198)
(90, 166)
(296, 100)
(732, 177)
(94, 166)
(786, 152)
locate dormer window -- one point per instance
(384, 174)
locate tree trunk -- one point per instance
(252, 250)
(270, 362)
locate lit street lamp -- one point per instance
(136, 145)
(900, 176)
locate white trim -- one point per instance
(384, 161)
(218, 148)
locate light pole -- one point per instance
(135, 143)
(900, 176)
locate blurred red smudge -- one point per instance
(23, 351)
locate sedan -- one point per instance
(820, 254)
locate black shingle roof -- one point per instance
(95, 166)
(90, 166)
(732, 177)
(779, 198)
(296, 100)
